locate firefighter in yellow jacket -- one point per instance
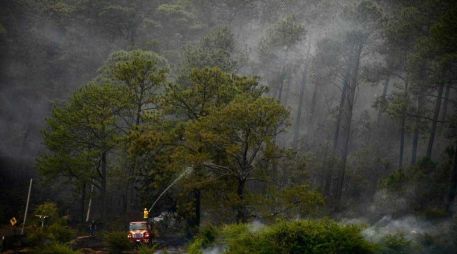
(145, 214)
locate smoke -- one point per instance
(421, 235)
(69, 53)
(218, 249)
(255, 226)
(409, 226)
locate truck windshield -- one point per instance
(138, 226)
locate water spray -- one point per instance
(187, 171)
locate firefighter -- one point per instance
(145, 214)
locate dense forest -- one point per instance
(261, 113)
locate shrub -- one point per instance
(239, 239)
(55, 233)
(117, 241)
(37, 236)
(147, 249)
(61, 233)
(305, 236)
(439, 243)
(196, 246)
(55, 248)
(205, 237)
(395, 244)
(48, 209)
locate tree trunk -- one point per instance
(323, 168)
(126, 196)
(300, 107)
(445, 102)
(89, 205)
(415, 144)
(435, 121)
(312, 107)
(349, 105)
(384, 96)
(330, 169)
(403, 128)
(416, 131)
(129, 194)
(329, 162)
(287, 89)
(197, 204)
(103, 185)
(340, 113)
(402, 142)
(241, 216)
(83, 201)
(281, 86)
(453, 183)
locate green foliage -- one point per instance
(306, 236)
(445, 29)
(55, 233)
(301, 200)
(288, 202)
(285, 33)
(196, 246)
(117, 241)
(81, 133)
(413, 183)
(147, 249)
(398, 104)
(315, 237)
(49, 209)
(61, 233)
(55, 248)
(178, 15)
(210, 88)
(230, 141)
(135, 69)
(206, 236)
(395, 180)
(245, 123)
(36, 236)
(141, 76)
(395, 244)
(55, 230)
(216, 49)
(365, 14)
(80, 130)
(121, 20)
(424, 40)
(178, 22)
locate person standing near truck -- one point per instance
(92, 228)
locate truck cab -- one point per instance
(140, 232)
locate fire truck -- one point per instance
(140, 232)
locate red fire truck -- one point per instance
(140, 232)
